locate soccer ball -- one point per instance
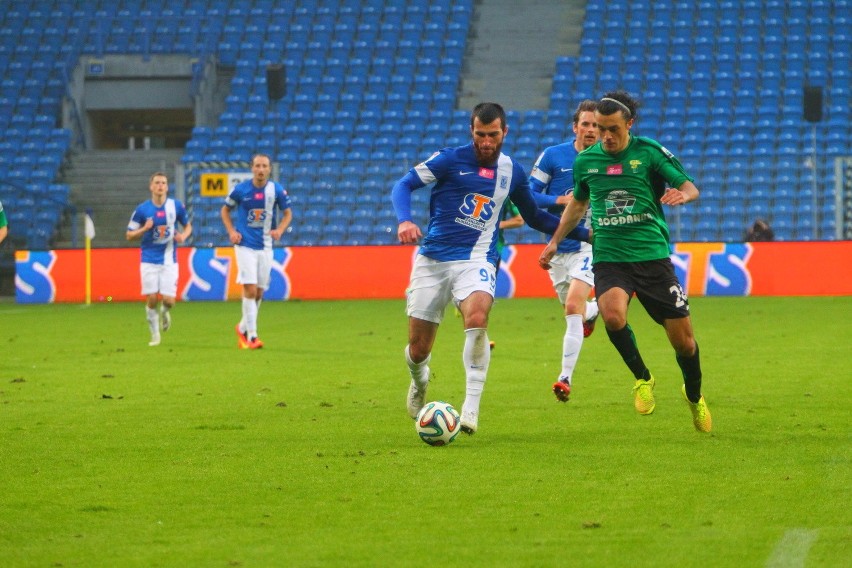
(438, 423)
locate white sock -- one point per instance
(419, 371)
(571, 344)
(476, 357)
(153, 317)
(249, 317)
(591, 309)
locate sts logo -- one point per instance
(477, 206)
(33, 281)
(256, 217)
(213, 274)
(713, 269)
(161, 233)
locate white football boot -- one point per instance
(469, 421)
(416, 398)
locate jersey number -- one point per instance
(484, 276)
(680, 297)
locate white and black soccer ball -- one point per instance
(438, 423)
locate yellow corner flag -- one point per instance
(90, 234)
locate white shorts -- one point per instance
(253, 266)
(568, 266)
(160, 278)
(434, 283)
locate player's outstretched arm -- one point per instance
(407, 231)
(684, 194)
(571, 216)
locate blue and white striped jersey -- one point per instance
(552, 176)
(466, 203)
(158, 243)
(256, 211)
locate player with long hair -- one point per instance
(627, 180)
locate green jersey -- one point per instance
(625, 190)
(3, 221)
(509, 211)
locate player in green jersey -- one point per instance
(3, 224)
(511, 220)
(627, 179)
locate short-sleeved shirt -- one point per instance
(625, 191)
(552, 176)
(467, 202)
(158, 244)
(256, 211)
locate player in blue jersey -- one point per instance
(155, 222)
(457, 258)
(255, 201)
(552, 182)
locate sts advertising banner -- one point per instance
(353, 272)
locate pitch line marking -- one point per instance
(793, 548)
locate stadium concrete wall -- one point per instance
(341, 273)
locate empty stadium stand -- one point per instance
(372, 88)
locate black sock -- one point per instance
(625, 343)
(691, 369)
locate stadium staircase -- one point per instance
(112, 183)
(511, 60)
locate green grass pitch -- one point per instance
(195, 453)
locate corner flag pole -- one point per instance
(90, 234)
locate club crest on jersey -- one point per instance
(504, 181)
(486, 173)
(634, 165)
(613, 170)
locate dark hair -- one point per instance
(760, 231)
(488, 113)
(587, 105)
(618, 101)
